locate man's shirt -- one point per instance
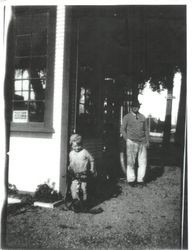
(134, 127)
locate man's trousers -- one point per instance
(135, 149)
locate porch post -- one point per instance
(65, 102)
(181, 119)
(5, 21)
(167, 124)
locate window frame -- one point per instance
(47, 125)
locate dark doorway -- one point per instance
(116, 49)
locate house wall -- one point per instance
(95, 147)
(35, 157)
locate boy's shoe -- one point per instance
(84, 207)
(76, 206)
(96, 210)
(80, 206)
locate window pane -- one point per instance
(25, 74)
(22, 24)
(23, 45)
(81, 109)
(19, 105)
(36, 111)
(39, 20)
(25, 95)
(39, 43)
(42, 74)
(22, 66)
(21, 95)
(22, 89)
(25, 85)
(32, 95)
(18, 85)
(21, 74)
(82, 96)
(37, 90)
(38, 66)
(18, 95)
(18, 73)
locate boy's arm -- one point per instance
(93, 171)
(92, 162)
(70, 159)
(70, 168)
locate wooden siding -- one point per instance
(95, 147)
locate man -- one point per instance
(136, 134)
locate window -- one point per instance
(86, 113)
(85, 101)
(31, 102)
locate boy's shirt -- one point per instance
(80, 161)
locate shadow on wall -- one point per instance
(159, 157)
(165, 156)
(154, 172)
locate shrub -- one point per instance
(12, 189)
(27, 199)
(46, 193)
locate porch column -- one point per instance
(167, 124)
(179, 136)
(5, 20)
(65, 20)
(167, 128)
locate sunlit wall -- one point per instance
(34, 158)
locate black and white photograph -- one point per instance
(94, 125)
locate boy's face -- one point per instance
(76, 146)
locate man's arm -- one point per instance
(124, 127)
(147, 132)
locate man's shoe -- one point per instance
(132, 184)
(141, 184)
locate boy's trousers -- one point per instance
(76, 186)
(134, 149)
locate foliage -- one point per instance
(157, 125)
(12, 189)
(27, 199)
(14, 192)
(46, 193)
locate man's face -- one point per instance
(135, 109)
(76, 146)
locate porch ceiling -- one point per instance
(132, 40)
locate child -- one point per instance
(81, 165)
